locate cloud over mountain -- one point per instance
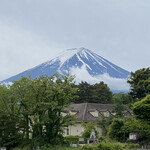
(85, 65)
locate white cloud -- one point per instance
(82, 74)
(34, 31)
(21, 50)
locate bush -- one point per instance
(89, 147)
(111, 146)
(132, 146)
(88, 127)
(71, 139)
(115, 131)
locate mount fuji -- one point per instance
(84, 64)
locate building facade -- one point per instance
(90, 112)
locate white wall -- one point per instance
(78, 129)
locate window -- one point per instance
(105, 113)
(94, 113)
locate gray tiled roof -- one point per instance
(83, 111)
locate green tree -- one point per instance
(84, 93)
(104, 124)
(121, 128)
(22, 92)
(141, 109)
(32, 109)
(133, 125)
(88, 127)
(9, 133)
(140, 83)
(123, 98)
(115, 131)
(96, 93)
(101, 93)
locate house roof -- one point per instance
(83, 111)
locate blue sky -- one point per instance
(34, 31)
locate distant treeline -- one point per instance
(99, 93)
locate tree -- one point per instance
(84, 93)
(88, 127)
(140, 83)
(115, 131)
(9, 133)
(101, 93)
(123, 98)
(97, 93)
(22, 92)
(141, 109)
(138, 123)
(104, 124)
(120, 128)
(33, 110)
(133, 125)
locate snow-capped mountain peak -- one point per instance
(76, 61)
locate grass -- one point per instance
(51, 148)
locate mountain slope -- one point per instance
(75, 59)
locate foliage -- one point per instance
(89, 147)
(123, 98)
(9, 134)
(49, 147)
(120, 128)
(141, 109)
(96, 93)
(140, 83)
(104, 124)
(115, 131)
(101, 93)
(133, 146)
(111, 146)
(71, 139)
(84, 92)
(88, 127)
(118, 110)
(34, 108)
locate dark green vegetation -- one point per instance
(33, 107)
(140, 83)
(96, 93)
(141, 109)
(88, 128)
(110, 145)
(140, 121)
(31, 112)
(100, 93)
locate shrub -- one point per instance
(115, 131)
(71, 139)
(132, 146)
(88, 128)
(89, 147)
(111, 146)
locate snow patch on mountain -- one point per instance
(84, 64)
(81, 74)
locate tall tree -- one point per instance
(140, 83)
(101, 93)
(84, 93)
(123, 98)
(141, 109)
(21, 91)
(9, 133)
(33, 109)
(96, 93)
(115, 131)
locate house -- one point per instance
(89, 112)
